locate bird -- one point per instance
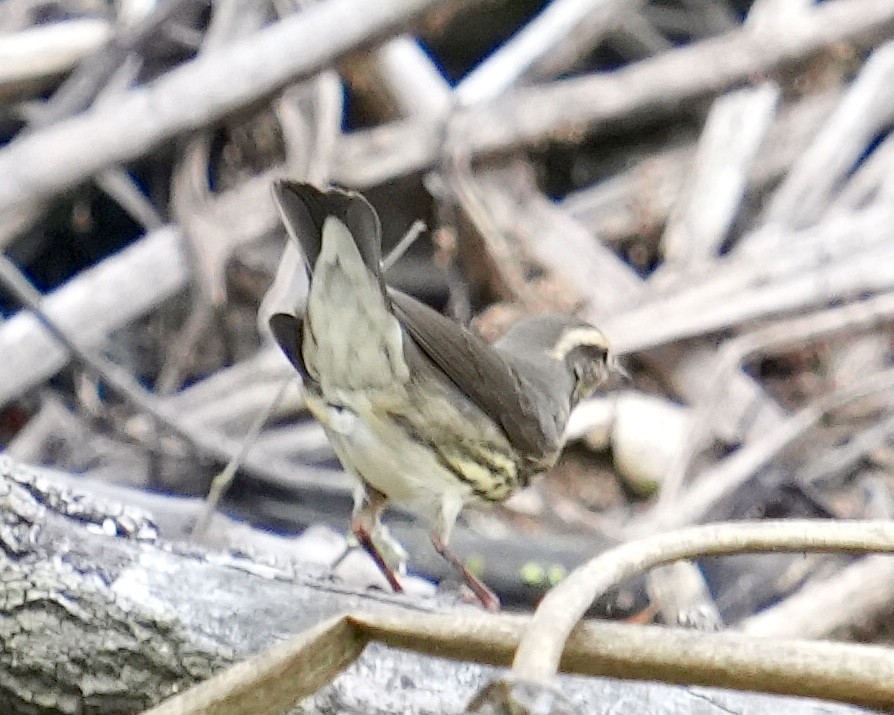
(420, 409)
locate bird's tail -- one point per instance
(350, 337)
(305, 208)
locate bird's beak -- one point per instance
(617, 373)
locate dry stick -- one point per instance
(98, 301)
(48, 50)
(842, 258)
(198, 403)
(699, 222)
(417, 228)
(634, 36)
(859, 316)
(618, 208)
(196, 94)
(411, 81)
(846, 602)
(205, 89)
(734, 131)
(540, 651)
(715, 483)
(705, 17)
(30, 298)
(106, 297)
(105, 72)
(634, 202)
(296, 441)
(206, 442)
(122, 189)
(886, 190)
(755, 245)
(91, 75)
(866, 110)
(867, 180)
(563, 32)
(190, 190)
(458, 173)
(775, 12)
(456, 163)
(555, 240)
(51, 421)
(835, 461)
(836, 671)
(273, 681)
(222, 481)
(566, 109)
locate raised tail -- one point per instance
(348, 336)
(305, 208)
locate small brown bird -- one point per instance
(422, 411)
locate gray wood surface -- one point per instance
(101, 616)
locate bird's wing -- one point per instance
(287, 329)
(479, 372)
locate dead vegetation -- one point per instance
(709, 181)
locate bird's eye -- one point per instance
(587, 359)
(589, 366)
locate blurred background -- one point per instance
(711, 182)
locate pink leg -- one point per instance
(364, 521)
(487, 597)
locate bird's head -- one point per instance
(579, 349)
(587, 357)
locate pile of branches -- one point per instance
(708, 181)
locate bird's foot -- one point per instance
(392, 552)
(487, 598)
(388, 555)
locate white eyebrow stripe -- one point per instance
(577, 337)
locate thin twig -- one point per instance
(213, 444)
(195, 94)
(222, 481)
(282, 675)
(854, 317)
(566, 109)
(720, 480)
(541, 649)
(843, 603)
(410, 237)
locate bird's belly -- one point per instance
(384, 453)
